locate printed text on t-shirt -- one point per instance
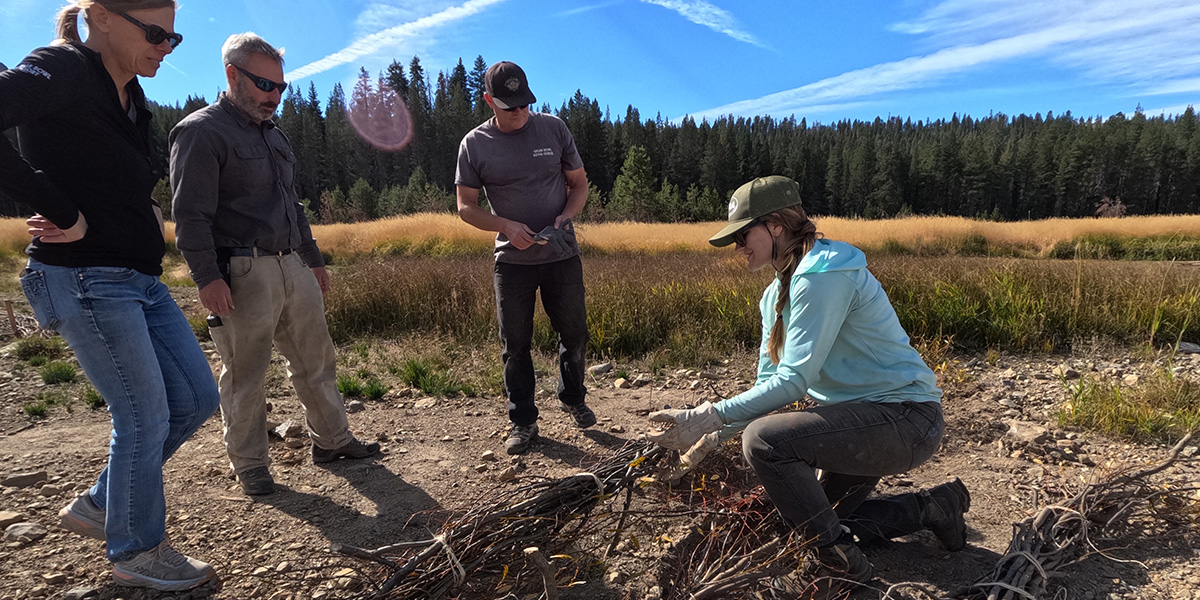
(543, 152)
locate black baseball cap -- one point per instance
(505, 82)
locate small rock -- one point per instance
(1027, 433)
(1189, 348)
(600, 369)
(294, 443)
(622, 384)
(509, 474)
(260, 571)
(8, 517)
(1065, 372)
(1130, 379)
(616, 429)
(488, 455)
(481, 468)
(614, 577)
(289, 429)
(654, 593)
(425, 403)
(641, 380)
(354, 406)
(24, 480)
(81, 593)
(54, 578)
(1190, 451)
(708, 375)
(49, 490)
(24, 532)
(446, 438)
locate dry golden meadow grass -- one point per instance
(444, 233)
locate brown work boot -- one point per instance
(830, 572)
(355, 448)
(943, 513)
(256, 481)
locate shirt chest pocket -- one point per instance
(285, 163)
(248, 167)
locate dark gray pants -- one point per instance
(561, 284)
(854, 443)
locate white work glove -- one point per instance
(698, 452)
(690, 425)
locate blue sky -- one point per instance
(822, 60)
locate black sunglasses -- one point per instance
(155, 34)
(739, 238)
(263, 83)
(515, 108)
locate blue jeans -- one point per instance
(140, 353)
(516, 286)
(854, 443)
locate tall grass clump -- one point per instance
(1161, 410)
(429, 376)
(1126, 247)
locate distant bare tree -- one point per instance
(1110, 208)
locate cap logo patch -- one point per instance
(513, 84)
(733, 203)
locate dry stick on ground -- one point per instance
(490, 538)
(1058, 536)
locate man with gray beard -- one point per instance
(241, 228)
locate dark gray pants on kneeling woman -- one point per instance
(855, 444)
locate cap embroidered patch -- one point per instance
(732, 205)
(513, 84)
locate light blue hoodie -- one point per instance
(844, 342)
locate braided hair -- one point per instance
(799, 235)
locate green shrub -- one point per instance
(374, 389)
(92, 398)
(53, 398)
(58, 372)
(35, 410)
(36, 345)
(349, 386)
(199, 325)
(37, 361)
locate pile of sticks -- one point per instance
(489, 539)
(1060, 535)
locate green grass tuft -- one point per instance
(58, 372)
(375, 389)
(349, 386)
(1161, 409)
(92, 398)
(431, 377)
(27, 348)
(36, 410)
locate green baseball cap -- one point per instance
(755, 199)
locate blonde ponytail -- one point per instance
(66, 25)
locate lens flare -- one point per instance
(380, 118)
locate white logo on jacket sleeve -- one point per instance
(32, 70)
(543, 152)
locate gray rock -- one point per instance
(81, 594)
(488, 455)
(54, 578)
(616, 429)
(354, 406)
(1065, 372)
(8, 517)
(289, 429)
(49, 490)
(600, 369)
(1189, 348)
(24, 480)
(24, 532)
(425, 403)
(1027, 433)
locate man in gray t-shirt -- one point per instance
(535, 185)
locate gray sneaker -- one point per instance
(520, 437)
(584, 417)
(162, 569)
(82, 516)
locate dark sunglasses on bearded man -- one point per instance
(263, 83)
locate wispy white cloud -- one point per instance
(712, 17)
(371, 43)
(1178, 86)
(583, 9)
(1170, 110)
(1105, 41)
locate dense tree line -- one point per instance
(996, 167)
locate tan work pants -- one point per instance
(276, 300)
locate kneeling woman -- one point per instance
(829, 332)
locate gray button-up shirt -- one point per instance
(232, 179)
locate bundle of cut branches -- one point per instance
(490, 538)
(1060, 535)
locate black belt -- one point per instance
(253, 251)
